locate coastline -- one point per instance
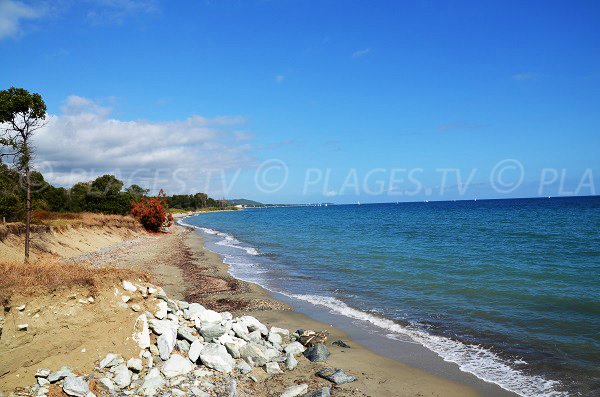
(420, 372)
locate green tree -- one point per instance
(137, 191)
(21, 114)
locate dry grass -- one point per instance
(47, 276)
(56, 221)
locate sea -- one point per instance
(507, 290)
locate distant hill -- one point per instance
(245, 202)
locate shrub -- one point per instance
(152, 212)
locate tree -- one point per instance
(21, 114)
(152, 212)
(137, 191)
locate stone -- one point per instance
(197, 392)
(290, 362)
(122, 376)
(183, 346)
(43, 381)
(153, 382)
(280, 331)
(273, 368)
(322, 392)
(295, 391)
(241, 331)
(183, 305)
(160, 327)
(176, 365)
(243, 367)
(42, 373)
(162, 310)
(194, 351)
(21, 308)
(275, 338)
(211, 331)
(256, 352)
(255, 336)
(76, 386)
(107, 384)
(136, 308)
(208, 317)
(125, 298)
(318, 352)
(341, 343)
(234, 347)
(294, 348)
(141, 333)
(166, 344)
(194, 310)
(152, 290)
(337, 376)
(128, 286)
(253, 324)
(110, 361)
(23, 327)
(59, 375)
(231, 389)
(215, 356)
(135, 364)
(186, 333)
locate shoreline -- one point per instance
(407, 353)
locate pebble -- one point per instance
(23, 327)
(75, 386)
(337, 376)
(295, 391)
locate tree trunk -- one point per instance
(27, 213)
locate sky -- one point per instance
(314, 101)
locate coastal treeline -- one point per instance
(105, 194)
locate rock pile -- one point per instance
(188, 350)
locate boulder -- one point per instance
(276, 339)
(141, 333)
(318, 352)
(76, 386)
(290, 362)
(211, 331)
(280, 331)
(216, 357)
(244, 367)
(186, 333)
(273, 368)
(107, 384)
(59, 375)
(42, 373)
(110, 361)
(135, 364)
(257, 353)
(336, 376)
(194, 351)
(162, 310)
(253, 324)
(183, 346)
(128, 286)
(295, 391)
(241, 331)
(122, 376)
(294, 348)
(177, 365)
(153, 382)
(166, 344)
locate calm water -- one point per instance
(507, 289)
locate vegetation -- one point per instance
(152, 212)
(21, 114)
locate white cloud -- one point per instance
(525, 76)
(279, 78)
(85, 141)
(361, 53)
(243, 136)
(11, 15)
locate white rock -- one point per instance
(21, 308)
(209, 316)
(122, 376)
(136, 308)
(294, 348)
(194, 310)
(253, 324)
(197, 392)
(243, 367)
(195, 349)
(108, 384)
(275, 338)
(215, 356)
(153, 382)
(295, 391)
(125, 298)
(42, 373)
(166, 343)
(135, 364)
(127, 286)
(162, 326)
(110, 360)
(240, 330)
(280, 331)
(141, 333)
(177, 365)
(290, 362)
(273, 368)
(75, 386)
(162, 310)
(256, 352)
(152, 290)
(22, 327)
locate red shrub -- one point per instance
(152, 212)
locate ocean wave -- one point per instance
(228, 240)
(473, 359)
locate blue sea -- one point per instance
(509, 290)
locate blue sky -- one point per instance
(362, 91)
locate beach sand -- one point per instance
(179, 263)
